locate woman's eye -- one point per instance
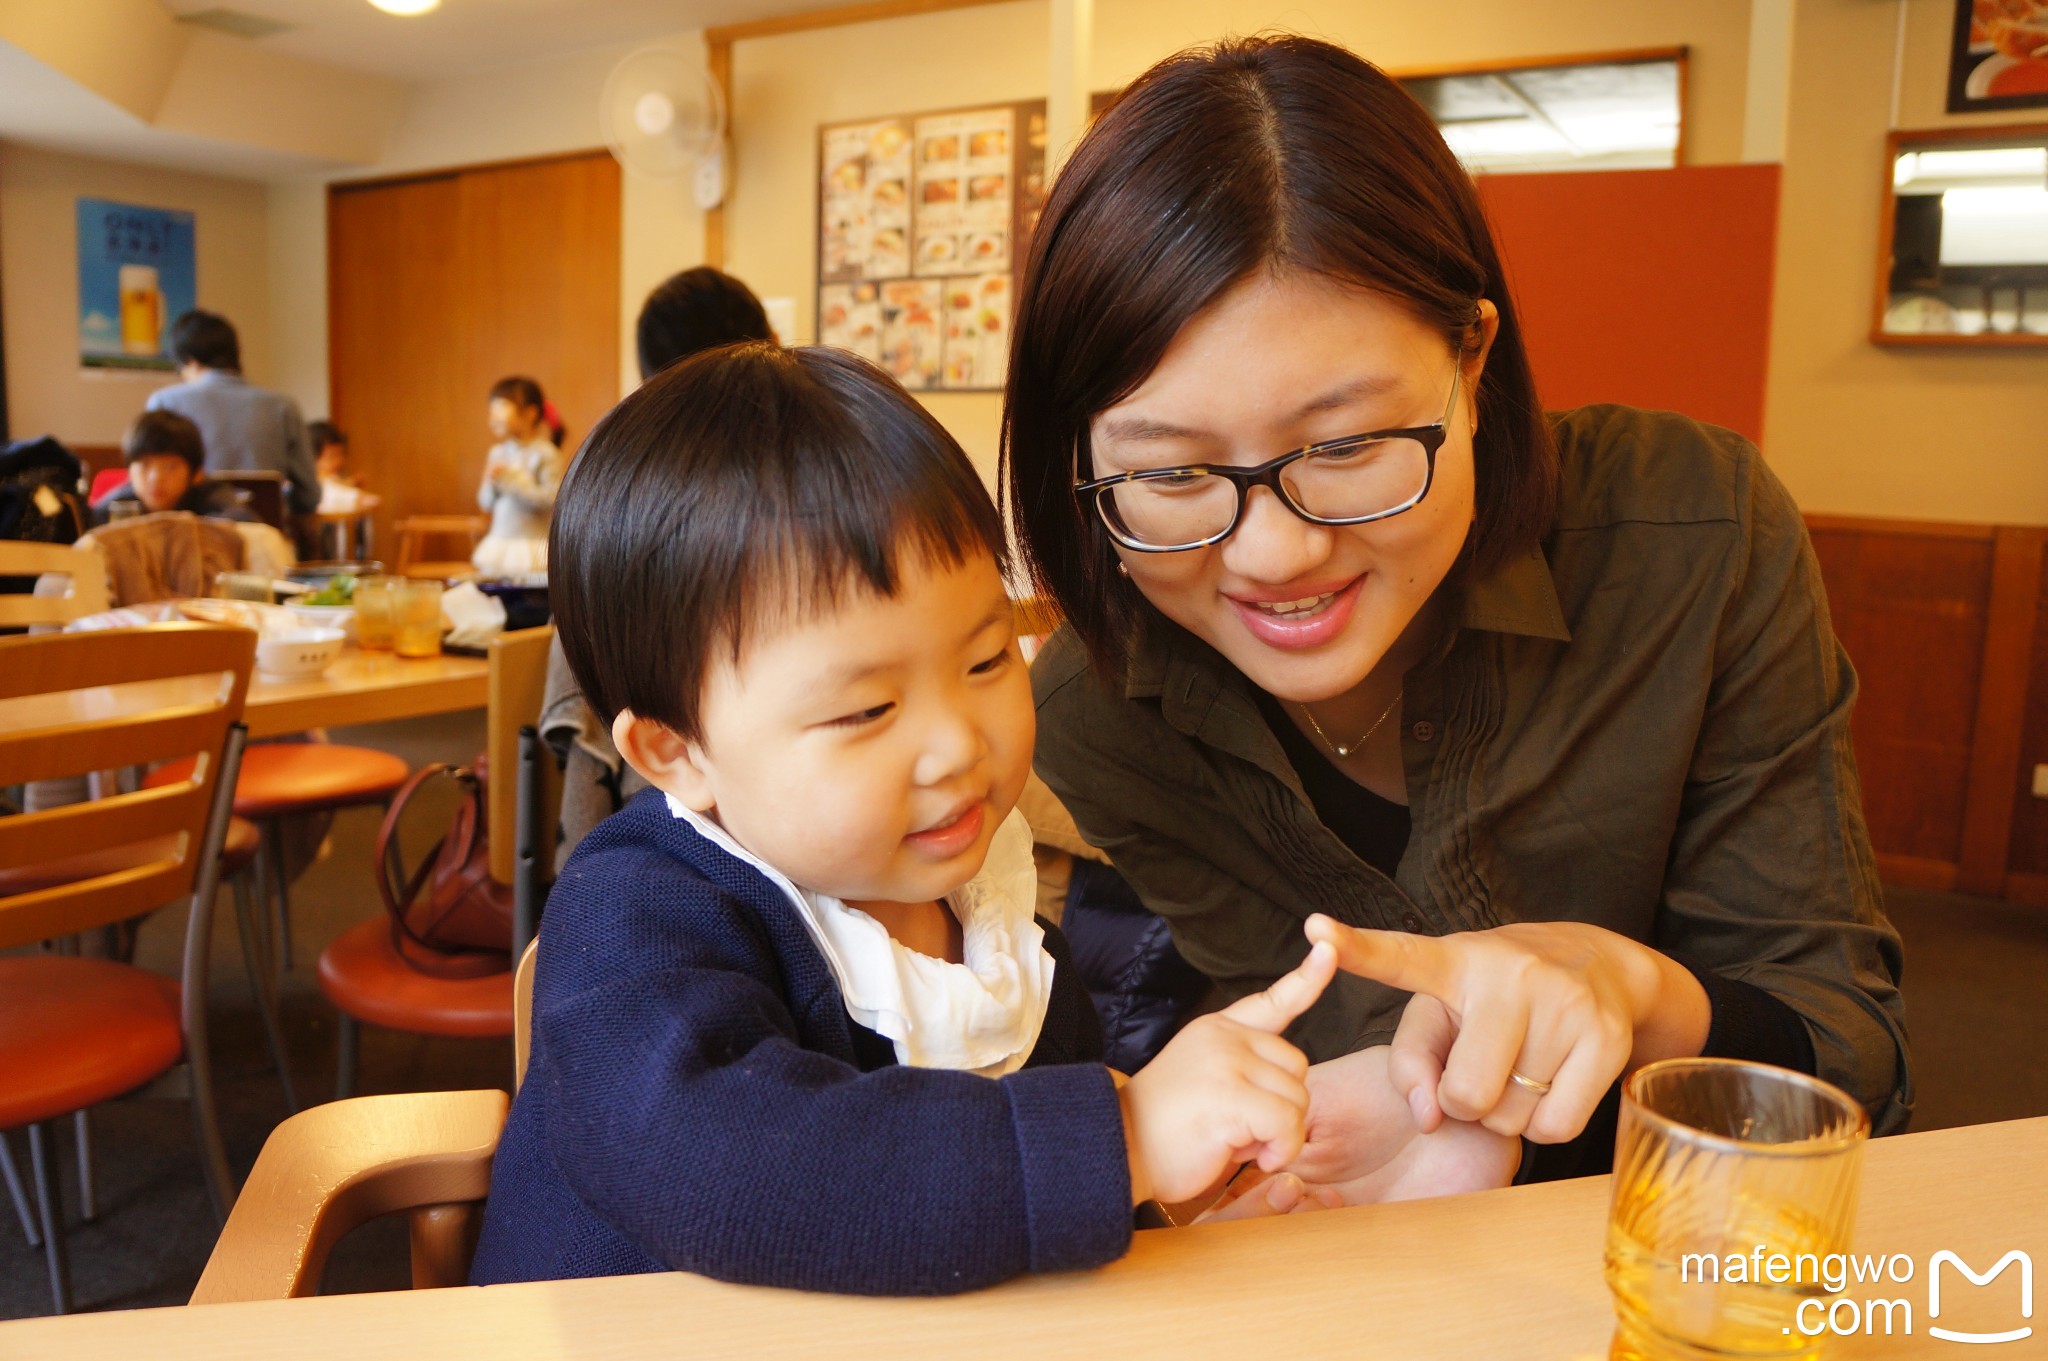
(1351, 454)
(865, 716)
(993, 664)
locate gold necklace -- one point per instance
(1344, 751)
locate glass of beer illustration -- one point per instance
(142, 310)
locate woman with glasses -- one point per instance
(1540, 718)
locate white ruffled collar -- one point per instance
(980, 1016)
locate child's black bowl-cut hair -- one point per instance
(743, 486)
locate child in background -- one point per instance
(521, 475)
(794, 1020)
(339, 492)
(167, 471)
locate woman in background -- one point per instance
(521, 476)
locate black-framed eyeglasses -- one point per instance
(1350, 481)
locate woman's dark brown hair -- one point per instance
(1279, 153)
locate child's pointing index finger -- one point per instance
(1274, 1009)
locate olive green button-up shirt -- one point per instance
(1644, 725)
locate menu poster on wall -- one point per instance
(922, 220)
(136, 273)
(865, 201)
(1999, 59)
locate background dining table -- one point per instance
(1500, 1275)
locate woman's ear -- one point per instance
(665, 759)
(1484, 328)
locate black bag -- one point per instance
(39, 500)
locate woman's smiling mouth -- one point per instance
(1305, 619)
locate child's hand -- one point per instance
(1224, 1090)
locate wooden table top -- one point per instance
(360, 687)
(366, 687)
(1502, 1275)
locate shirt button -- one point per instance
(1410, 922)
(1424, 730)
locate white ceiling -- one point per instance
(465, 36)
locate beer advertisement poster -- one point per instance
(135, 275)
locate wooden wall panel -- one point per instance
(2028, 852)
(1910, 608)
(441, 285)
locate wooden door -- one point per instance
(440, 285)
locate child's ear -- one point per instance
(665, 759)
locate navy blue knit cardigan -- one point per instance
(697, 1098)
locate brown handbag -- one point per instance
(450, 919)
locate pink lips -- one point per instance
(1300, 633)
(949, 839)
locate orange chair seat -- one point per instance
(236, 851)
(75, 1032)
(362, 974)
(302, 777)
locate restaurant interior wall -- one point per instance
(1855, 428)
(512, 113)
(48, 392)
(786, 85)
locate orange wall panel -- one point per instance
(1649, 287)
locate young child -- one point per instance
(794, 1021)
(167, 471)
(339, 492)
(521, 476)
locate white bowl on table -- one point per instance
(341, 617)
(297, 654)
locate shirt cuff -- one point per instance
(1750, 1023)
(1077, 1196)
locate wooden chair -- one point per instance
(326, 1171)
(417, 531)
(362, 974)
(76, 1031)
(263, 493)
(86, 569)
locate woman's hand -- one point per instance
(1565, 1005)
(1363, 1146)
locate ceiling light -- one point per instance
(406, 6)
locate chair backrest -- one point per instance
(86, 570)
(77, 703)
(328, 1169)
(522, 1013)
(519, 677)
(415, 531)
(264, 493)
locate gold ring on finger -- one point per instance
(1516, 1076)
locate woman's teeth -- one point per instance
(1290, 608)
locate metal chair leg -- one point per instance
(88, 1203)
(43, 1168)
(345, 1057)
(16, 1192)
(273, 847)
(258, 964)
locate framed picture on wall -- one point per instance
(136, 272)
(1999, 59)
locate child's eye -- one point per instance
(993, 664)
(865, 716)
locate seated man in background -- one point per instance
(167, 471)
(246, 428)
(695, 310)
